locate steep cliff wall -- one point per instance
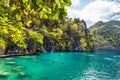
(106, 35)
(64, 35)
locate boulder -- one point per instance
(2, 51)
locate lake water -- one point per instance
(100, 65)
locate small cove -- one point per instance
(99, 65)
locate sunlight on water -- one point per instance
(62, 66)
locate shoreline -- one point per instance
(33, 53)
(12, 55)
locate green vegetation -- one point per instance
(106, 35)
(71, 35)
(37, 24)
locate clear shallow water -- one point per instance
(63, 66)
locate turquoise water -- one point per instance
(100, 65)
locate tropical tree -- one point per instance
(20, 19)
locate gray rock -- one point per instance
(2, 51)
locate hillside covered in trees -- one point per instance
(28, 26)
(106, 35)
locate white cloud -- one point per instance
(72, 13)
(75, 3)
(94, 11)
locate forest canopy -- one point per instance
(17, 17)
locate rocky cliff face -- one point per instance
(106, 35)
(64, 35)
(75, 37)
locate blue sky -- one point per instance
(92, 11)
(79, 4)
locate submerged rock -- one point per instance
(9, 59)
(22, 74)
(118, 71)
(4, 74)
(18, 68)
(11, 63)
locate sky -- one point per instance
(92, 11)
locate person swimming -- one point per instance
(35, 60)
(62, 62)
(52, 61)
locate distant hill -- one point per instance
(106, 35)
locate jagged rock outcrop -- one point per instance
(64, 35)
(74, 37)
(106, 35)
(2, 51)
